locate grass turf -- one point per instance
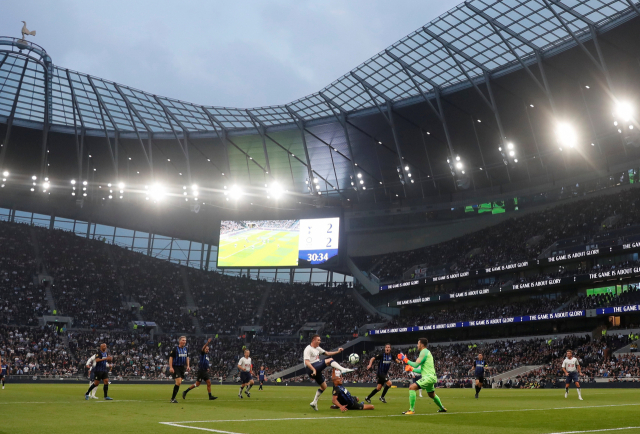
(139, 409)
(247, 249)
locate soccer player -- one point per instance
(179, 365)
(415, 377)
(245, 367)
(3, 372)
(91, 366)
(261, 376)
(342, 399)
(385, 359)
(315, 366)
(429, 378)
(569, 366)
(203, 372)
(101, 372)
(479, 366)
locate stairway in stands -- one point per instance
(191, 304)
(261, 306)
(41, 270)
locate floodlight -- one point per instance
(84, 182)
(5, 174)
(275, 190)
(406, 168)
(511, 153)
(359, 175)
(510, 145)
(624, 111)
(235, 191)
(121, 185)
(73, 182)
(566, 134)
(457, 158)
(458, 165)
(34, 177)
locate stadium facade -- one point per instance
(428, 125)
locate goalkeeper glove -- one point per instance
(408, 368)
(403, 358)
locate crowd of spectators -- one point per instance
(22, 298)
(527, 236)
(629, 297)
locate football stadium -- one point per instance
(442, 239)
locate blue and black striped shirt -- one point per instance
(102, 365)
(203, 364)
(180, 356)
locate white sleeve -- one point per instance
(321, 351)
(577, 362)
(91, 359)
(307, 354)
(564, 363)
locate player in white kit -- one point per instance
(315, 366)
(245, 367)
(571, 368)
(91, 364)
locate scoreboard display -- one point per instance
(278, 243)
(318, 239)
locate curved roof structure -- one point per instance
(475, 39)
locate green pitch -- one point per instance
(259, 248)
(140, 409)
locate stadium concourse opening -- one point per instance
(445, 238)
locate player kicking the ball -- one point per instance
(315, 366)
(425, 367)
(569, 366)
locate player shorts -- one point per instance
(416, 378)
(382, 379)
(203, 376)
(262, 379)
(356, 406)
(428, 384)
(101, 376)
(179, 372)
(319, 367)
(572, 377)
(245, 377)
(92, 375)
(480, 379)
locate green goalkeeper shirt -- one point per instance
(426, 365)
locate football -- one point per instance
(354, 358)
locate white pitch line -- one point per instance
(597, 430)
(198, 428)
(400, 415)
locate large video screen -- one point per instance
(278, 243)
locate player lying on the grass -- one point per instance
(385, 359)
(425, 367)
(315, 366)
(102, 373)
(569, 366)
(203, 372)
(179, 365)
(342, 399)
(245, 367)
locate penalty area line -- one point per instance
(450, 414)
(597, 430)
(198, 428)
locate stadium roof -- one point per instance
(460, 47)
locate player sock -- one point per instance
(478, 389)
(436, 399)
(190, 388)
(241, 387)
(385, 390)
(93, 386)
(106, 390)
(579, 394)
(249, 387)
(318, 393)
(337, 366)
(209, 394)
(373, 392)
(412, 400)
(175, 391)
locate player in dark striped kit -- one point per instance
(102, 372)
(179, 365)
(385, 360)
(261, 377)
(203, 372)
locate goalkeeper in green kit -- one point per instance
(424, 366)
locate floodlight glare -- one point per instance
(5, 174)
(275, 191)
(624, 111)
(156, 192)
(511, 153)
(406, 168)
(73, 182)
(459, 165)
(510, 145)
(566, 134)
(34, 177)
(121, 185)
(515, 160)
(235, 191)
(457, 158)
(359, 175)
